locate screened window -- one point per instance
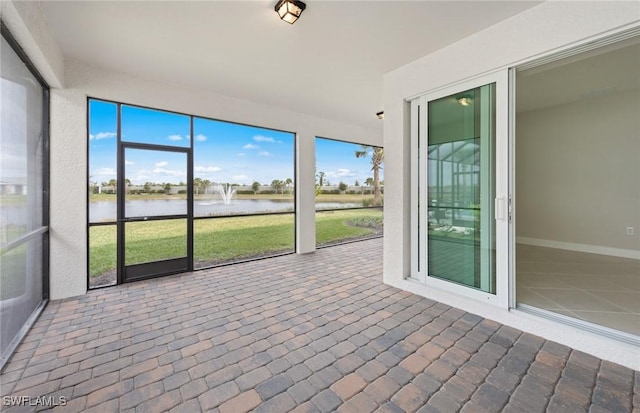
(349, 191)
(23, 203)
(170, 192)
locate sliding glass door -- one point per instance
(460, 190)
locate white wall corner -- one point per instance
(397, 154)
(27, 24)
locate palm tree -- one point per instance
(289, 182)
(377, 158)
(197, 183)
(369, 183)
(276, 184)
(256, 187)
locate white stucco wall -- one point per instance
(28, 26)
(549, 27)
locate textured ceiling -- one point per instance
(329, 64)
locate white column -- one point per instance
(305, 192)
(68, 194)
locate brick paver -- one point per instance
(312, 333)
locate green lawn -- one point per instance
(13, 267)
(336, 226)
(223, 239)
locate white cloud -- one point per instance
(264, 153)
(104, 172)
(201, 138)
(103, 135)
(128, 162)
(175, 137)
(239, 178)
(161, 164)
(207, 169)
(168, 172)
(241, 154)
(261, 138)
(250, 146)
(340, 173)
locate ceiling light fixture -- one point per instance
(290, 10)
(464, 100)
(380, 115)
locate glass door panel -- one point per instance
(155, 218)
(155, 183)
(460, 188)
(157, 240)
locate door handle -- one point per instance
(499, 208)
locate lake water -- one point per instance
(106, 211)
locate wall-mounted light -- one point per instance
(290, 10)
(380, 115)
(464, 100)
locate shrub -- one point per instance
(367, 202)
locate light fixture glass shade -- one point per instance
(289, 10)
(464, 101)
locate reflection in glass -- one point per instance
(22, 156)
(460, 172)
(20, 287)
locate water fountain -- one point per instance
(226, 192)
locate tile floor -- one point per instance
(303, 333)
(600, 289)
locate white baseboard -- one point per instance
(591, 249)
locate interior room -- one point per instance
(578, 186)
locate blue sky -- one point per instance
(223, 152)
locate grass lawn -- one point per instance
(223, 239)
(12, 200)
(13, 273)
(337, 226)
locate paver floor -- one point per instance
(305, 333)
